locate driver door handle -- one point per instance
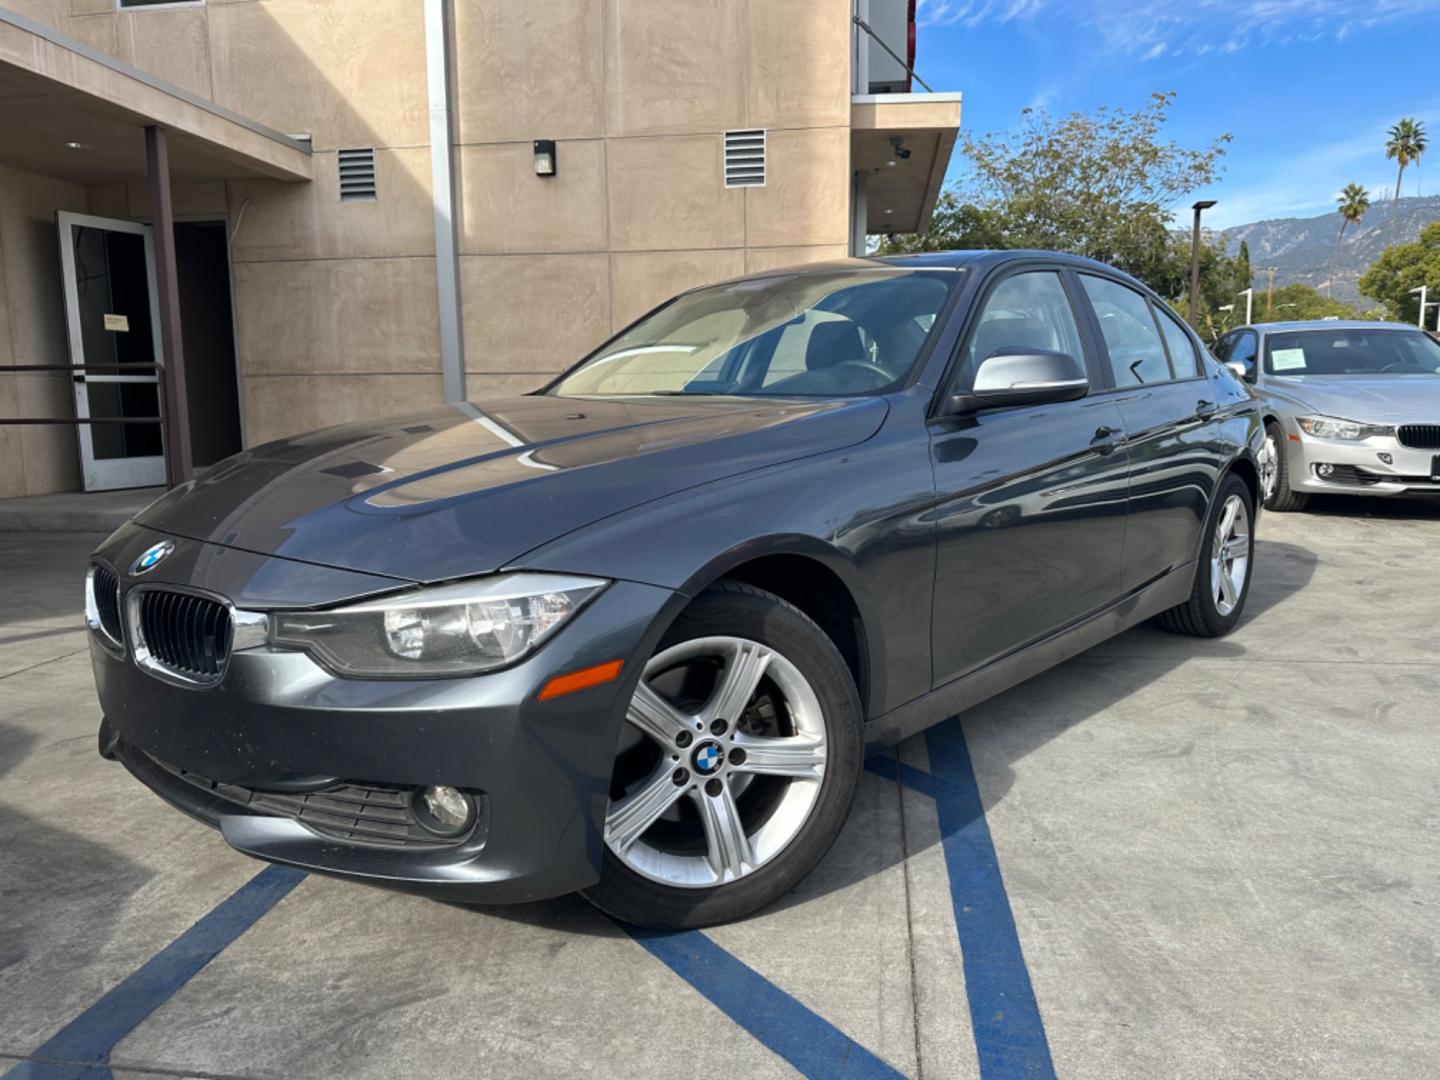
(1205, 409)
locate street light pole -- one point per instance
(1249, 295)
(1199, 207)
(1422, 290)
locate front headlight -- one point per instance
(456, 629)
(1329, 427)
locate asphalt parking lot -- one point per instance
(1166, 858)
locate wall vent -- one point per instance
(357, 174)
(745, 158)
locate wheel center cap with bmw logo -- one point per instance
(707, 758)
(152, 557)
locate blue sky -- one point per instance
(1307, 88)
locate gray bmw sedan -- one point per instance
(1351, 408)
(634, 633)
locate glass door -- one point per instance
(113, 315)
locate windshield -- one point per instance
(1352, 352)
(802, 335)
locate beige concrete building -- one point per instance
(384, 205)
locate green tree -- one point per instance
(1403, 267)
(1299, 301)
(1097, 184)
(1244, 275)
(1354, 200)
(1405, 145)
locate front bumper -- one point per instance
(1358, 468)
(280, 723)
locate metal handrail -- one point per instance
(74, 421)
(863, 25)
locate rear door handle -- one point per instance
(1205, 409)
(1106, 439)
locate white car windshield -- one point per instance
(847, 332)
(1352, 352)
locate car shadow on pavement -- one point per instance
(1418, 507)
(52, 881)
(1000, 732)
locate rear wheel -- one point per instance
(1275, 474)
(1222, 573)
(737, 767)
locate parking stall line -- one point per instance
(82, 1047)
(1010, 1039)
(807, 1041)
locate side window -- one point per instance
(1243, 352)
(1224, 345)
(1027, 311)
(1183, 357)
(1137, 356)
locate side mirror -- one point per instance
(1028, 377)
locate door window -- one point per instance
(1026, 311)
(1184, 360)
(1136, 354)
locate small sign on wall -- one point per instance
(120, 323)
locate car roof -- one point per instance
(1324, 324)
(938, 260)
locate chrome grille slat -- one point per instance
(106, 587)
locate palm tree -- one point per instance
(1406, 144)
(1354, 201)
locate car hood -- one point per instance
(465, 489)
(1388, 398)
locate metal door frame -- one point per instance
(105, 474)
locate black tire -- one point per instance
(1200, 615)
(1282, 500)
(736, 609)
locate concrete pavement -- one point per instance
(1214, 859)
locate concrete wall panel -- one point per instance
(280, 405)
(797, 71)
(806, 197)
(669, 193)
(505, 207)
(308, 221)
(526, 71)
(674, 66)
(533, 313)
(758, 260)
(350, 74)
(337, 315)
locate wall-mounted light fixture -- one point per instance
(546, 164)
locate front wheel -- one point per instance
(737, 765)
(1275, 487)
(1222, 573)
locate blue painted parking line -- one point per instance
(810, 1043)
(1010, 1036)
(82, 1047)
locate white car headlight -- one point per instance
(459, 629)
(1330, 427)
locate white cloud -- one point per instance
(1154, 28)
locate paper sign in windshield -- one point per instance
(1287, 360)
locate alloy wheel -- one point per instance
(1269, 468)
(1230, 555)
(729, 778)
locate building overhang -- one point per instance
(70, 112)
(901, 196)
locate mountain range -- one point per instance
(1300, 249)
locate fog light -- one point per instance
(1386, 458)
(1324, 470)
(444, 811)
